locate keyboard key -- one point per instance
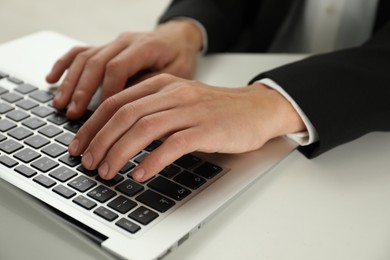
(25, 171)
(82, 183)
(64, 191)
(6, 125)
(70, 160)
(129, 188)
(37, 141)
(8, 161)
(170, 171)
(189, 180)
(62, 174)
(73, 126)
(112, 182)
(42, 96)
(17, 115)
(4, 108)
(169, 188)
(11, 97)
(44, 164)
(26, 104)
(2, 137)
(50, 131)
(153, 145)
(27, 155)
(65, 139)
(105, 213)
(25, 88)
(54, 150)
(84, 202)
(15, 80)
(33, 123)
(44, 181)
(58, 118)
(122, 204)
(89, 173)
(3, 75)
(188, 161)
(128, 225)
(101, 194)
(208, 170)
(155, 201)
(20, 133)
(143, 215)
(141, 157)
(42, 111)
(10, 146)
(128, 166)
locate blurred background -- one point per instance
(91, 21)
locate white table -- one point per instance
(333, 207)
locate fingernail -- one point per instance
(87, 160)
(138, 174)
(74, 145)
(72, 106)
(103, 170)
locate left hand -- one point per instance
(188, 115)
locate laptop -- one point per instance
(129, 220)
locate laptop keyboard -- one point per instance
(33, 143)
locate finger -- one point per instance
(91, 77)
(109, 107)
(174, 147)
(144, 131)
(71, 79)
(127, 64)
(62, 64)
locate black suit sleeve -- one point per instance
(224, 20)
(345, 94)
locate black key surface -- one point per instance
(25, 88)
(25, 171)
(89, 173)
(54, 150)
(140, 158)
(27, 155)
(143, 215)
(42, 96)
(111, 182)
(128, 166)
(208, 170)
(70, 160)
(101, 194)
(82, 183)
(153, 145)
(37, 141)
(44, 164)
(189, 180)
(73, 126)
(33, 123)
(170, 171)
(84, 202)
(50, 131)
(44, 181)
(4, 108)
(128, 225)
(8, 161)
(105, 213)
(188, 161)
(129, 188)
(155, 201)
(20, 133)
(2, 137)
(122, 204)
(62, 174)
(169, 188)
(15, 80)
(11, 97)
(58, 118)
(10, 146)
(64, 191)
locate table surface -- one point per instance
(331, 207)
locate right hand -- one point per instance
(171, 48)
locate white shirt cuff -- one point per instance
(302, 138)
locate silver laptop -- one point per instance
(128, 219)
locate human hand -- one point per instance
(171, 48)
(188, 115)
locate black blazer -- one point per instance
(345, 94)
